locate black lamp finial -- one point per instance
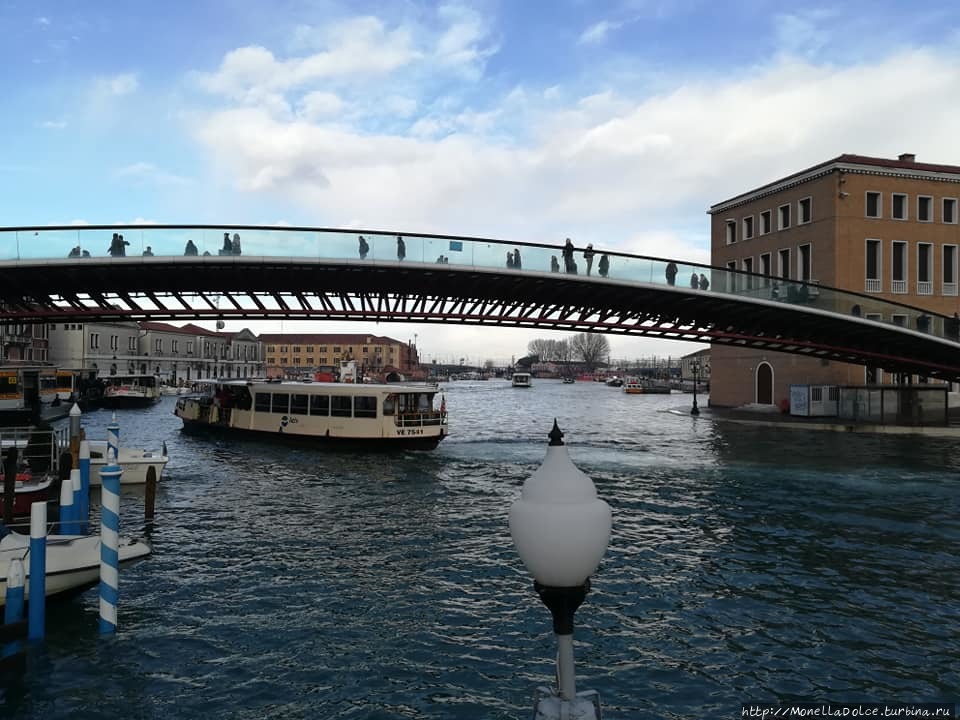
(556, 436)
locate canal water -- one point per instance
(746, 564)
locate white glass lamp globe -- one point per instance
(559, 525)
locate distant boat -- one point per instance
(615, 381)
(569, 380)
(125, 391)
(520, 380)
(644, 386)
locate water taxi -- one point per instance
(362, 415)
(124, 391)
(520, 379)
(644, 386)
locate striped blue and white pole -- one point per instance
(83, 508)
(109, 543)
(113, 437)
(67, 512)
(36, 619)
(77, 486)
(13, 609)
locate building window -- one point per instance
(949, 210)
(900, 320)
(132, 344)
(284, 361)
(899, 206)
(296, 361)
(283, 348)
(924, 269)
(323, 359)
(748, 227)
(336, 348)
(731, 231)
(114, 342)
(309, 348)
(806, 211)
(323, 348)
(766, 222)
(925, 208)
(784, 256)
(899, 262)
(748, 268)
(296, 348)
(271, 348)
(949, 269)
(874, 254)
(175, 345)
(874, 204)
(309, 361)
(732, 276)
(783, 215)
(190, 347)
(803, 262)
(765, 268)
(271, 361)
(94, 341)
(158, 345)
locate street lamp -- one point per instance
(561, 530)
(697, 368)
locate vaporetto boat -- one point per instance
(365, 415)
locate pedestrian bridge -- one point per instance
(84, 273)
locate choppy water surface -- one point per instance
(745, 564)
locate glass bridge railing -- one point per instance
(134, 243)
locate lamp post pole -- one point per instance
(695, 366)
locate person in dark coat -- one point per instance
(568, 256)
(509, 260)
(694, 281)
(236, 244)
(401, 248)
(704, 283)
(362, 247)
(554, 264)
(604, 267)
(671, 273)
(227, 248)
(190, 249)
(588, 257)
(516, 259)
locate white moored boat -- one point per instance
(135, 463)
(520, 379)
(366, 415)
(124, 391)
(73, 561)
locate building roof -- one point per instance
(329, 338)
(905, 165)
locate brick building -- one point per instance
(294, 354)
(870, 225)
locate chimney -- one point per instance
(907, 157)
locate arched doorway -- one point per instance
(764, 384)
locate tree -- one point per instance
(592, 348)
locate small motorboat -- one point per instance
(569, 380)
(615, 381)
(73, 561)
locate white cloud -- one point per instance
(605, 167)
(464, 41)
(356, 47)
(45, 21)
(144, 172)
(597, 32)
(319, 105)
(117, 85)
(53, 124)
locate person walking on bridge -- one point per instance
(362, 247)
(516, 259)
(401, 248)
(694, 281)
(604, 267)
(671, 273)
(588, 257)
(568, 256)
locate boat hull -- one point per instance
(73, 561)
(135, 464)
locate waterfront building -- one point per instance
(302, 354)
(109, 348)
(175, 354)
(28, 342)
(878, 226)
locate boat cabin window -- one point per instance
(281, 403)
(298, 404)
(64, 382)
(262, 401)
(48, 383)
(389, 404)
(320, 405)
(341, 405)
(365, 406)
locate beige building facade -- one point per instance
(294, 354)
(883, 227)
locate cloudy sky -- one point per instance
(615, 122)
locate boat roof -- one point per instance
(270, 384)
